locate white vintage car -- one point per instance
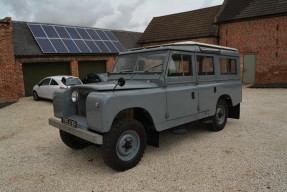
(46, 87)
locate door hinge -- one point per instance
(198, 108)
(166, 115)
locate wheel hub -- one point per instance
(128, 145)
(220, 115)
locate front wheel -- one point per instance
(124, 144)
(220, 117)
(35, 96)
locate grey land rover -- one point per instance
(149, 90)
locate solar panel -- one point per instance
(46, 45)
(102, 35)
(82, 46)
(111, 36)
(102, 46)
(83, 33)
(66, 39)
(50, 31)
(93, 34)
(73, 33)
(72, 47)
(37, 30)
(119, 46)
(111, 46)
(93, 47)
(62, 32)
(59, 45)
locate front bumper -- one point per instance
(78, 132)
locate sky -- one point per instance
(128, 15)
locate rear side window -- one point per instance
(53, 82)
(205, 65)
(228, 66)
(180, 65)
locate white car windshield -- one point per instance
(141, 62)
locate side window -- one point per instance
(180, 65)
(227, 66)
(53, 82)
(205, 65)
(45, 82)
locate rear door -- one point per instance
(181, 90)
(207, 87)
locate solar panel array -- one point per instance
(64, 39)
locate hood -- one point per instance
(109, 85)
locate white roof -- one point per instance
(201, 44)
(61, 76)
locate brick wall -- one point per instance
(267, 37)
(209, 40)
(9, 70)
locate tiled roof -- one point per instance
(26, 45)
(246, 9)
(186, 25)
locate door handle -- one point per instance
(214, 89)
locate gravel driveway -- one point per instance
(250, 154)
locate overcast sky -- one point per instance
(130, 15)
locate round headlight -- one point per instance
(75, 96)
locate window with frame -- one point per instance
(228, 66)
(205, 65)
(180, 65)
(53, 82)
(45, 82)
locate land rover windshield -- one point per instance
(140, 62)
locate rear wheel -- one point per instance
(220, 117)
(124, 145)
(73, 141)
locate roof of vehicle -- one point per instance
(59, 77)
(188, 46)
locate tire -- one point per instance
(73, 141)
(35, 96)
(220, 117)
(124, 144)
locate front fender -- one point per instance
(103, 107)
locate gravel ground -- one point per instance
(250, 154)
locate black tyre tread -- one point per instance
(73, 141)
(214, 126)
(36, 98)
(110, 141)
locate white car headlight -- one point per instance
(75, 96)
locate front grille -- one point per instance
(81, 103)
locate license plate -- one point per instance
(69, 122)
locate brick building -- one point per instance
(195, 25)
(257, 28)
(23, 63)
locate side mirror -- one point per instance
(121, 81)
